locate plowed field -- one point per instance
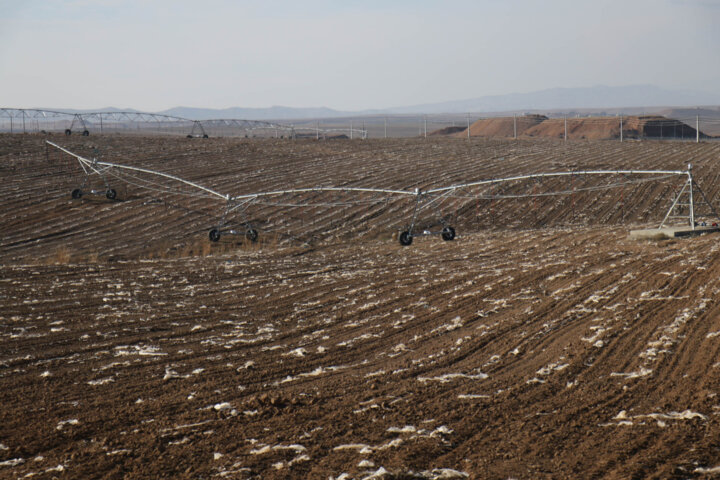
(541, 343)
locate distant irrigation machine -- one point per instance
(29, 120)
(682, 208)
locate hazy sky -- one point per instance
(343, 54)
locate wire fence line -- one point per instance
(566, 127)
(620, 127)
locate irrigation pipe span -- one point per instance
(241, 202)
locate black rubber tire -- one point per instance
(405, 239)
(206, 136)
(68, 132)
(111, 194)
(86, 133)
(448, 234)
(189, 136)
(252, 235)
(214, 235)
(77, 193)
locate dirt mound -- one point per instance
(587, 128)
(602, 128)
(652, 126)
(447, 131)
(504, 126)
(577, 128)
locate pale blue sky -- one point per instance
(344, 54)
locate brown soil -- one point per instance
(504, 127)
(567, 351)
(577, 128)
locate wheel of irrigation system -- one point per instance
(86, 133)
(214, 235)
(206, 136)
(77, 193)
(68, 132)
(189, 136)
(111, 194)
(252, 235)
(448, 234)
(405, 239)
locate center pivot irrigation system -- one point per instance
(38, 120)
(682, 208)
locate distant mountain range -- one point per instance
(633, 97)
(598, 97)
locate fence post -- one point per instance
(351, 130)
(565, 136)
(697, 128)
(514, 126)
(425, 121)
(692, 205)
(621, 128)
(386, 127)
(468, 126)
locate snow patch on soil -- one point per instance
(61, 424)
(144, 350)
(642, 372)
(623, 419)
(452, 376)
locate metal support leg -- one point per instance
(415, 211)
(672, 207)
(707, 201)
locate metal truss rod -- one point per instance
(558, 174)
(92, 163)
(324, 189)
(556, 193)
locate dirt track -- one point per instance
(560, 352)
